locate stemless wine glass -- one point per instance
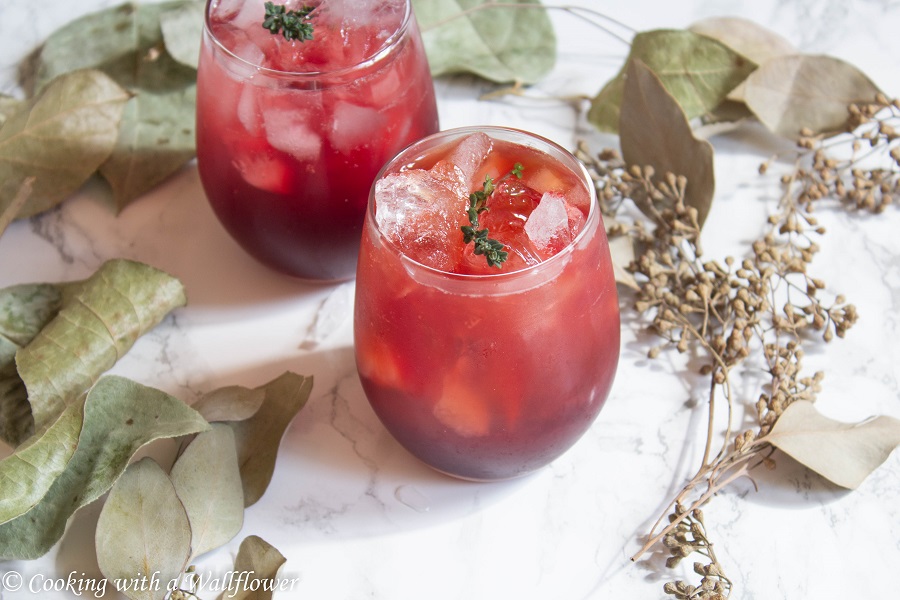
(290, 134)
(490, 375)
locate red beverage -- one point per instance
(482, 372)
(290, 134)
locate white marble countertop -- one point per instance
(357, 517)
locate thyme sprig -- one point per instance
(766, 307)
(491, 249)
(292, 24)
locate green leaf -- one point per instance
(27, 474)
(120, 417)
(655, 132)
(115, 40)
(789, 93)
(258, 557)
(258, 436)
(696, 70)
(501, 44)
(207, 480)
(104, 317)
(156, 137)
(182, 30)
(844, 453)
(60, 138)
(24, 311)
(143, 532)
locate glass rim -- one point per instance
(526, 272)
(386, 48)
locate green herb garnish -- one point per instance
(292, 24)
(490, 248)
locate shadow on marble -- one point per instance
(340, 474)
(789, 485)
(172, 228)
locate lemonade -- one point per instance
(291, 133)
(485, 372)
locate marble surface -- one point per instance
(358, 518)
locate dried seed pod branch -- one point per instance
(766, 306)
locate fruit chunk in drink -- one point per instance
(484, 372)
(291, 134)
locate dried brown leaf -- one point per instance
(745, 37)
(654, 131)
(789, 93)
(844, 453)
(262, 560)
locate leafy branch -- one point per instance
(491, 249)
(292, 24)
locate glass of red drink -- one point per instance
(485, 372)
(290, 134)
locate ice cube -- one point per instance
(466, 158)
(249, 15)
(421, 212)
(364, 13)
(355, 126)
(248, 111)
(548, 225)
(288, 131)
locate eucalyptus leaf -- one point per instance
(24, 310)
(115, 40)
(696, 70)
(621, 249)
(122, 301)
(120, 417)
(60, 138)
(230, 403)
(258, 437)
(156, 137)
(501, 44)
(143, 533)
(655, 132)
(207, 480)
(789, 93)
(182, 30)
(261, 559)
(9, 213)
(746, 37)
(16, 422)
(844, 453)
(28, 473)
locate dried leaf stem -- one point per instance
(764, 307)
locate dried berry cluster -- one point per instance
(765, 307)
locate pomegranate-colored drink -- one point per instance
(291, 132)
(485, 369)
